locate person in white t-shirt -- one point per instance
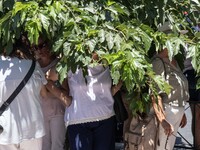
(22, 121)
(90, 118)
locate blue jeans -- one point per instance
(99, 135)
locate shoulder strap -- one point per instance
(18, 89)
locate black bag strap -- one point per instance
(5, 105)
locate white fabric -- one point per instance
(23, 119)
(174, 76)
(52, 64)
(92, 98)
(173, 115)
(34, 144)
(55, 134)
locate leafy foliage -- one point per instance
(120, 32)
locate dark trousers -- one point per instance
(97, 135)
(192, 81)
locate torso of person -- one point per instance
(51, 105)
(24, 118)
(174, 76)
(91, 96)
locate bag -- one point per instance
(119, 108)
(143, 133)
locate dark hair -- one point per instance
(21, 48)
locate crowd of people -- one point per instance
(46, 112)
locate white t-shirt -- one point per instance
(91, 96)
(23, 120)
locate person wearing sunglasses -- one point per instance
(54, 104)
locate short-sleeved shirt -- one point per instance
(91, 96)
(174, 76)
(23, 119)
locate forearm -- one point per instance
(59, 93)
(158, 108)
(116, 88)
(159, 111)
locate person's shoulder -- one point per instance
(156, 60)
(157, 63)
(17, 61)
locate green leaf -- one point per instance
(62, 70)
(58, 45)
(9, 47)
(33, 27)
(117, 41)
(66, 49)
(109, 39)
(45, 21)
(91, 44)
(6, 17)
(101, 36)
(6, 32)
(115, 76)
(52, 13)
(90, 9)
(146, 39)
(197, 34)
(1, 6)
(196, 1)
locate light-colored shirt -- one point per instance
(91, 96)
(23, 119)
(174, 76)
(51, 105)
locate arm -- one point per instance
(159, 69)
(159, 112)
(183, 121)
(59, 91)
(116, 88)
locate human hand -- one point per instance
(168, 128)
(52, 74)
(183, 121)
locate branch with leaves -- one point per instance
(120, 32)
